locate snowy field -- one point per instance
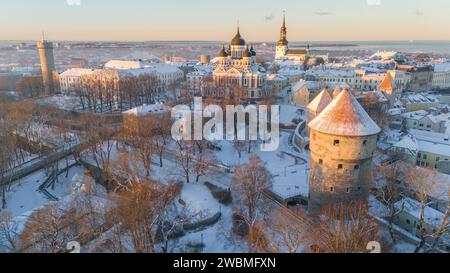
(25, 197)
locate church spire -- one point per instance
(283, 32)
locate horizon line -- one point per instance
(223, 41)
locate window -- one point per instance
(340, 166)
(438, 158)
(336, 142)
(347, 190)
(331, 189)
(365, 142)
(408, 222)
(320, 161)
(425, 157)
(356, 167)
(419, 155)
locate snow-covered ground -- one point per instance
(290, 169)
(24, 195)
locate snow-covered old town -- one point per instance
(235, 145)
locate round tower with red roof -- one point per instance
(343, 140)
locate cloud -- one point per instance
(418, 13)
(269, 17)
(73, 2)
(373, 2)
(322, 13)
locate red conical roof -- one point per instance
(387, 85)
(344, 116)
(320, 102)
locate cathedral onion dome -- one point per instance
(247, 53)
(222, 53)
(238, 40)
(344, 116)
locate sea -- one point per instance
(419, 46)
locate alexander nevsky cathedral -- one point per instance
(237, 72)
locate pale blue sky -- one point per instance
(216, 20)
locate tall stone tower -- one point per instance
(45, 50)
(343, 139)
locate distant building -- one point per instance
(238, 72)
(78, 63)
(48, 69)
(73, 80)
(408, 218)
(300, 94)
(283, 53)
(414, 102)
(133, 118)
(195, 79)
(425, 121)
(358, 79)
(424, 149)
(277, 82)
(167, 74)
(343, 140)
(205, 59)
(441, 76)
(421, 77)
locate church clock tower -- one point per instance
(282, 46)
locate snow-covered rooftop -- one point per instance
(442, 67)
(146, 109)
(412, 207)
(320, 102)
(121, 64)
(344, 116)
(423, 141)
(77, 72)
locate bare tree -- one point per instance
(422, 183)
(389, 190)
(138, 212)
(162, 127)
(204, 158)
(249, 183)
(99, 137)
(9, 232)
(48, 230)
(281, 232)
(342, 228)
(184, 158)
(139, 133)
